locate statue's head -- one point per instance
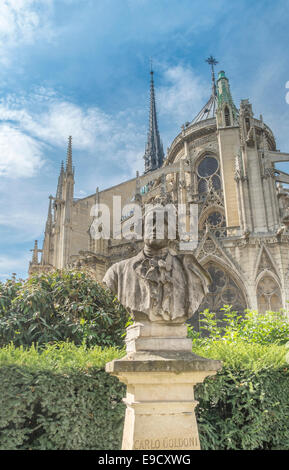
(156, 228)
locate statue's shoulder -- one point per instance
(192, 265)
(120, 266)
(114, 276)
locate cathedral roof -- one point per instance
(208, 111)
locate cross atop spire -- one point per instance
(212, 61)
(154, 153)
(69, 169)
(209, 110)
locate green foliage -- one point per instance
(241, 409)
(58, 357)
(253, 327)
(59, 397)
(240, 355)
(60, 306)
(246, 405)
(266, 328)
(8, 292)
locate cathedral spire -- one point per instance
(154, 153)
(69, 168)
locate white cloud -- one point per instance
(23, 223)
(20, 154)
(44, 118)
(23, 22)
(32, 122)
(64, 118)
(184, 96)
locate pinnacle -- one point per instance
(60, 182)
(49, 216)
(69, 169)
(35, 253)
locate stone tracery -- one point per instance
(268, 294)
(223, 290)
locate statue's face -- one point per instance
(156, 243)
(151, 239)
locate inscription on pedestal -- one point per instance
(167, 443)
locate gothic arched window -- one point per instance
(208, 173)
(222, 291)
(268, 294)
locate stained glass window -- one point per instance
(208, 166)
(202, 186)
(208, 174)
(216, 182)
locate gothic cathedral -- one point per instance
(224, 161)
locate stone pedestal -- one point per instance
(160, 372)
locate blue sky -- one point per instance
(81, 68)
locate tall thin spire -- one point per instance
(69, 169)
(154, 153)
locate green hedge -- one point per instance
(60, 397)
(246, 405)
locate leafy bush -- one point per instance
(253, 327)
(60, 306)
(59, 397)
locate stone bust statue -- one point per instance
(158, 285)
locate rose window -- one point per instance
(216, 222)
